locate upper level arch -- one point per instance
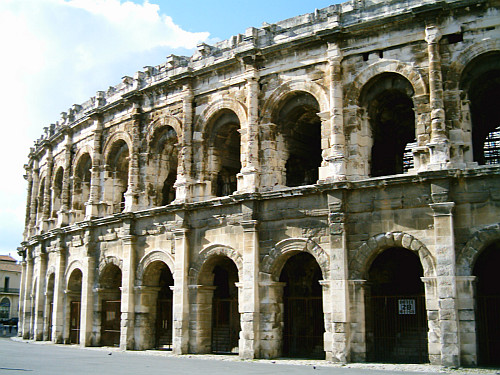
(477, 73)
(352, 95)
(207, 116)
(156, 126)
(461, 61)
(390, 123)
(278, 97)
(114, 144)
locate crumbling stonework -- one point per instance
(320, 165)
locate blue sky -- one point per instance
(56, 53)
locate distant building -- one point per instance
(10, 280)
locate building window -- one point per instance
(4, 308)
(6, 283)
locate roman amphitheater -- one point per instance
(327, 186)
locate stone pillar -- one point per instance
(271, 168)
(62, 215)
(134, 177)
(271, 317)
(87, 300)
(29, 200)
(357, 291)
(184, 178)
(22, 297)
(332, 132)
(444, 244)
(336, 290)
(432, 308)
(40, 296)
(59, 287)
(467, 320)
(248, 179)
(145, 316)
(180, 323)
(248, 295)
(200, 339)
(48, 188)
(127, 300)
(92, 209)
(439, 144)
(28, 282)
(34, 198)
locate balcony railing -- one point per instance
(9, 290)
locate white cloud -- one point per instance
(56, 53)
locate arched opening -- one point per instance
(110, 283)
(81, 183)
(39, 205)
(116, 181)
(74, 299)
(396, 319)
(4, 309)
(164, 160)
(49, 307)
(481, 82)
(168, 189)
(57, 192)
(223, 159)
(303, 308)
(158, 278)
(386, 99)
(300, 139)
(488, 305)
(219, 321)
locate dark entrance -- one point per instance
(49, 321)
(110, 282)
(225, 315)
(488, 306)
(74, 296)
(164, 310)
(74, 322)
(111, 322)
(302, 296)
(396, 323)
(481, 82)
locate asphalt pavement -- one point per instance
(28, 357)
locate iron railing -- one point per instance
(9, 290)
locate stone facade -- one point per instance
(335, 160)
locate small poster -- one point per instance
(406, 307)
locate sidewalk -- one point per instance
(310, 363)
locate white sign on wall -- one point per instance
(406, 307)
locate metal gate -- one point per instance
(164, 324)
(488, 328)
(74, 322)
(225, 325)
(304, 327)
(111, 315)
(397, 330)
(49, 321)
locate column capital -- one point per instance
(250, 225)
(442, 209)
(432, 34)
